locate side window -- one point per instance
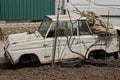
(60, 31)
(64, 28)
(52, 30)
(83, 28)
(67, 28)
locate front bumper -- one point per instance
(8, 57)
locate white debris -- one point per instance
(98, 24)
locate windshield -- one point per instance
(44, 26)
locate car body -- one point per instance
(75, 40)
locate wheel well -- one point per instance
(101, 54)
(97, 54)
(27, 58)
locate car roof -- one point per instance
(66, 17)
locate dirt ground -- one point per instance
(47, 72)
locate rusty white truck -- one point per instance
(75, 40)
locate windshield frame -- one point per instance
(42, 30)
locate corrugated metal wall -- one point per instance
(26, 9)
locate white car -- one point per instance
(75, 40)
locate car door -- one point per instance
(85, 38)
(66, 42)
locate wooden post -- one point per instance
(55, 41)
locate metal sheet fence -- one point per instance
(26, 9)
